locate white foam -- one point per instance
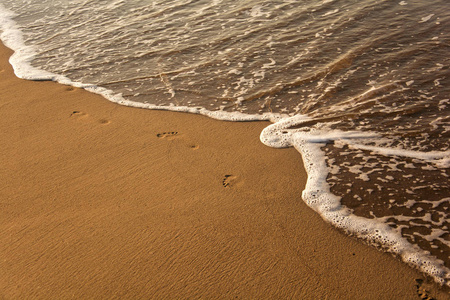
(439, 158)
(308, 142)
(331, 12)
(269, 65)
(23, 55)
(318, 196)
(12, 38)
(426, 19)
(218, 115)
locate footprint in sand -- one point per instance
(422, 292)
(104, 121)
(78, 114)
(228, 181)
(170, 135)
(81, 115)
(167, 135)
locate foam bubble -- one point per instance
(427, 18)
(308, 140)
(23, 55)
(317, 193)
(12, 38)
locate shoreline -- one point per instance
(101, 200)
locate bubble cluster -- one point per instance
(361, 89)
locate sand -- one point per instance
(101, 201)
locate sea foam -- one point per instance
(308, 141)
(318, 196)
(12, 38)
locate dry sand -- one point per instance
(103, 201)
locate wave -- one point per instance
(308, 132)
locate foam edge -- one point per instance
(318, 196)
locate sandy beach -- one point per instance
(101, 201)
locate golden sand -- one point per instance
(101, 201)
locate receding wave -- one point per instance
(361, 89)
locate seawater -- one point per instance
(359, 88)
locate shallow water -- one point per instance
(360, 88)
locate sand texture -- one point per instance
(100, 201)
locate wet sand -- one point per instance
(102, 201)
